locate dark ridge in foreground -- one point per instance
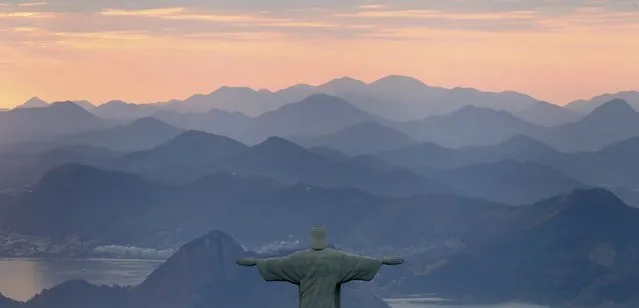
(201, 274)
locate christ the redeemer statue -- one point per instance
(319, 271)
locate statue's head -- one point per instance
(318, 238)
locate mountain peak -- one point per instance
(116, 103)
(341, 85)
(234, 90)
(33, 102)
(319, 103)
(595, 201)
(612, 109)
(213, 240)
(206, 261)
(85, 104)
(396, 80)
(322, 98)
(347, 79)
(66, 105)
(148, 123)
(273, 144)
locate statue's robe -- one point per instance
(319, 274)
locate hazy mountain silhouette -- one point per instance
(400, 98)
(232, 99)
(184, 156)
(586, 106)
(507, 181)
(193, 154)
(328, 153)
(122, 111)
(341, 86)
(425, 154)
(107, 207)
(403, 98)
(520, 148)
(285, 161)
(548, 115)
(317, 114)
(611, 122)
(84, 197)
(33, 102)
(87, 105)
(21, 169)
(577, 249)
(611, 167)
(215, 121)
(34, 124)
(468, 126)
(141, 134)
(362, 138)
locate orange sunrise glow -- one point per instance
(159, 50)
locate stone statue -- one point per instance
(319, 271)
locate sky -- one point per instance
(155, 50)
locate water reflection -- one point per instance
(432, 302)
(20, 279)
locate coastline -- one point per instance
(431, 300)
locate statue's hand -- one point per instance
(246, 262)
(392, 261)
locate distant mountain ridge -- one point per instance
(586, 106)
(399, 98)
(141, 134)
(361, 138)
(610, 122)
(44, 123)
(468, 126)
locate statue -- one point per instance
(319, 271)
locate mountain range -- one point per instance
(403, 172)
(320, 120)
(586, 106)
(610, 167)
(359, 139)
(490, 197)
(55, 120)
(399, 98)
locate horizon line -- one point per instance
(274, 90)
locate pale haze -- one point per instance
(147, 51)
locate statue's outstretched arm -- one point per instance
(246, 262)
(392, 261)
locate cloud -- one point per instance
(32, 4)
(147, 12)
(64, 22)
